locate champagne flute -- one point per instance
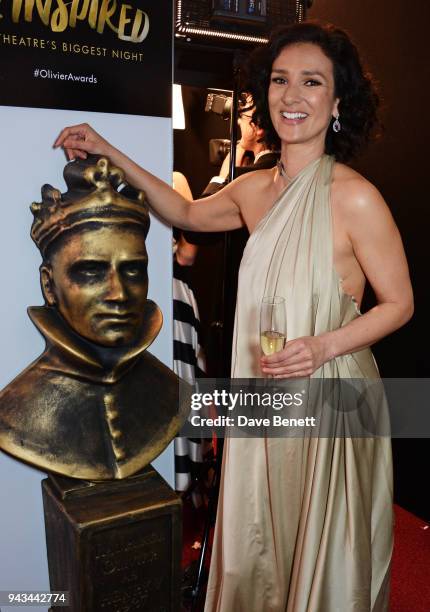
(273, 324)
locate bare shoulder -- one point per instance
(254, 193)
(248, 188)
(257, 179)
(354, 197)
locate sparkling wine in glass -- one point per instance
(273, 324)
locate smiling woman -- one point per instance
(304, 524)
(302, 101)
(333, 64)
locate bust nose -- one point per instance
(116, 291)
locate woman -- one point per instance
(303, 524)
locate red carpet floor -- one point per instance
(410, 587)
(410, 583)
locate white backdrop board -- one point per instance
(27, 161)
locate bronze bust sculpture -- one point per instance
(95, 405)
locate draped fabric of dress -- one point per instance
(303, 524)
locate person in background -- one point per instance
(252, 152)
(185, 252)
(188, 357)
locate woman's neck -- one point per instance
(295, 157)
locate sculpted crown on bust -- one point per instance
(96, 193)
(95, 405)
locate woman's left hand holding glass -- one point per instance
(300, 357)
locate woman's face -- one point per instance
(301, 94)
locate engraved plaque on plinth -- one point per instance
(115, 546)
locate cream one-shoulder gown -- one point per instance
(303, 524)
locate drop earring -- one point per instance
(336, 125)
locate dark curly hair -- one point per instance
(359, 100)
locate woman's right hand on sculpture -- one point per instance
(224, 213)
(79, 140)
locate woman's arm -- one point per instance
(378, 248)
(219, 212)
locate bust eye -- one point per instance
(87, 271)
(312, 83)
(278, 80)
(134, 270)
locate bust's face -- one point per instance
(99, 283)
